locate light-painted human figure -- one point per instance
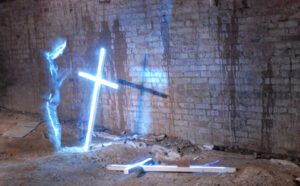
(56, 80)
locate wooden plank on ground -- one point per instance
(173, 168)
(190, 169)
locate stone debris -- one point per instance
(207, 147)
(99, 146)
(284, 163)
(154, 138)
(106, 135)
(164, 154)
(137, 145)
(197, 158)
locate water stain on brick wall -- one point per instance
(4, 76)
(292, 105)
(94, 40)
(120, 61)
(105, 40)
(165, 37)
(230, 65)
(268, 101)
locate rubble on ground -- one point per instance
(284, 163)
(33, 161)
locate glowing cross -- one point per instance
(98, 82)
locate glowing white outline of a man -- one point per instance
(53, 97)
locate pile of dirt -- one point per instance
(251, 175)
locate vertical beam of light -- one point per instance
(94, 102)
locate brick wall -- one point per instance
(211, 71)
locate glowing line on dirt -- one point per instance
(98, 82)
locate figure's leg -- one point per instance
(53, 124)
(58, 130)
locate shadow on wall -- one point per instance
(230, 62)
(268, 103)
(5, 77)
(147, 77)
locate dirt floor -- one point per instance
(32, 161)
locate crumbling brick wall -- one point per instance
(211, 71)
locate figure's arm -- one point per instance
(63, 77)
(50, 64)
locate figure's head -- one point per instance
(57, 48)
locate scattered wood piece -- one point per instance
(190, 169)
(175, 168)
(170, 168)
